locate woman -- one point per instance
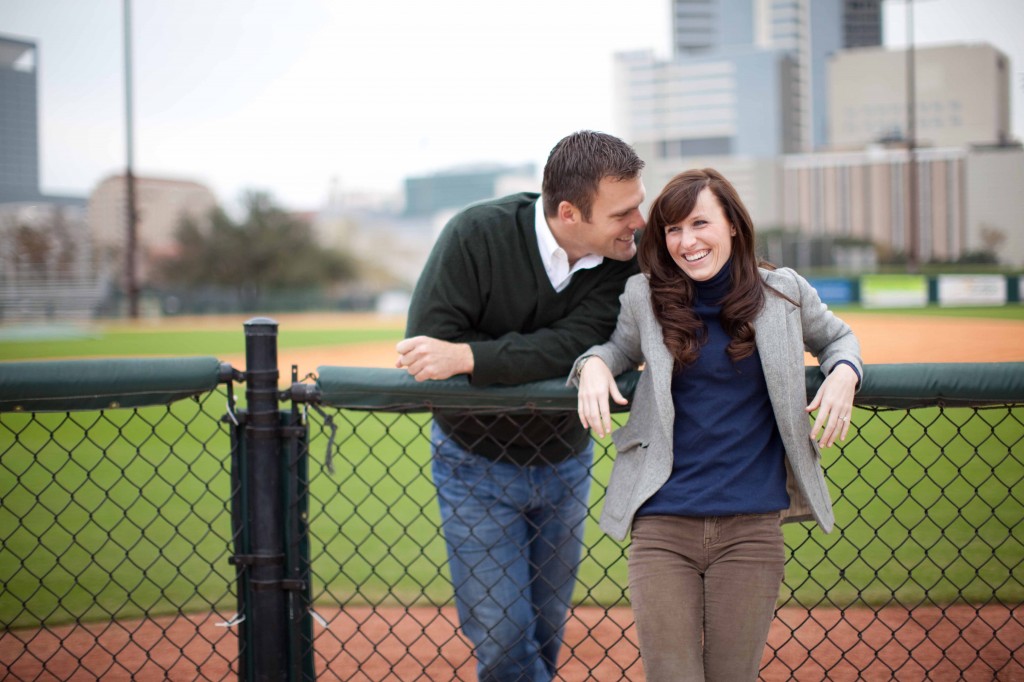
(718, 447)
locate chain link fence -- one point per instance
(921, 579)
(195, 540)
(115, 534)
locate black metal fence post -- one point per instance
(298, 566)
(261, 554)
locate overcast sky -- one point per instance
(284, 95)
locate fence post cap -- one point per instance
(258, 324)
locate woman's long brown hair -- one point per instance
(673, 292)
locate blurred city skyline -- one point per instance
(290, 98)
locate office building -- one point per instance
(700, 26)
(161, 205)
(806, 33)
(967, 200)
(756, 87)
(724, 109)
(727, 103)
(961, 93)
(955, 195)
(453, 189)
(19, 112)
(862, 23)
(45, 252)
(745, 85)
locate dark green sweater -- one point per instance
(484, 284)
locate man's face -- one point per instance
(614, 218)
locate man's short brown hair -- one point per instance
(578, 163)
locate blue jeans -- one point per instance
(514, 536)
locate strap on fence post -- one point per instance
(261, 553)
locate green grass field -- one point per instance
(127, 343)
(124, 513)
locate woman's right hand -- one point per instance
(596, 384)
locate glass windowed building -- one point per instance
(19, 134)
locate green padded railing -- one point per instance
(904, 386)
(64, 385)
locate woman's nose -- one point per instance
(689, 237)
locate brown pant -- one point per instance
(703, 592)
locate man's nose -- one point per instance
(639, 223)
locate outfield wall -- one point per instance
(918, 291)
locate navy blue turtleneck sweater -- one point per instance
(728, 455)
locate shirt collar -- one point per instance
(554, 257)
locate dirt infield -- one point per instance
(421, 643)
(884, 338)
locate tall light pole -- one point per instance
(912, 191)
(131, 283)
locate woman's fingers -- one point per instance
(594, 414)
(833, 423)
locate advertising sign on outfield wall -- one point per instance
(833, 290)
(894, 291)
(957, 290)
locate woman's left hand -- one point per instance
(596, 385)
(834, 402)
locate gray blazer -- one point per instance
(782, 331)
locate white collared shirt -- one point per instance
(556, 260)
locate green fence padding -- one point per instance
(908, 385)
(65, 385)
(395, 390)
(959, 384)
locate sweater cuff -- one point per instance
(851, 366)
(484, 364)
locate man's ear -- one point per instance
(568, 213)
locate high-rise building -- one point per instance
(729, 102)
(45, 251)
(745, 85)
(862, 23)
(19, 133)
(797, 133)
(803, 32)
(702, 25)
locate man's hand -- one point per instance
(425, 358)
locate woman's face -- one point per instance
(702, 242)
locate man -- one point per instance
(513, 291)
